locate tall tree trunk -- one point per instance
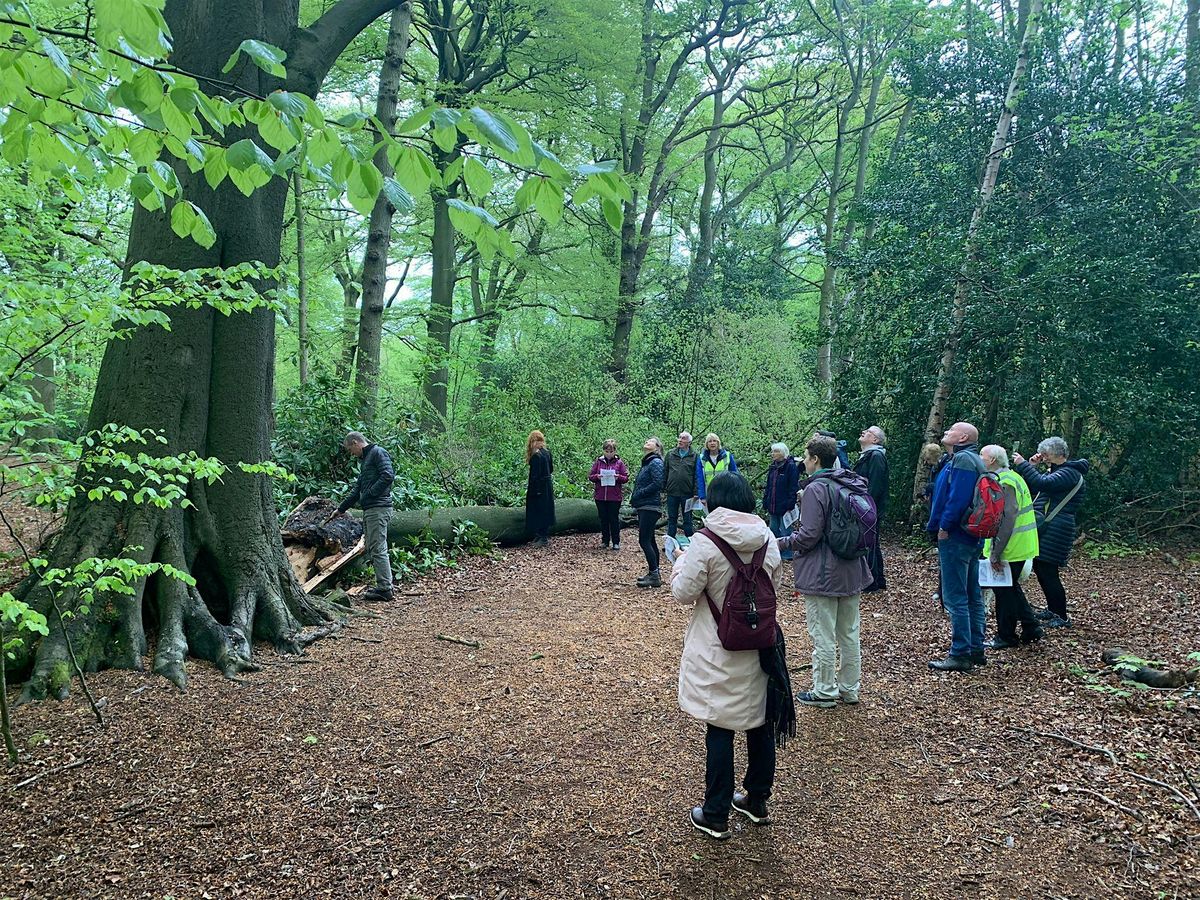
(206, 386)
(627, 290)
(967, 271)
(301, 279)
(829, 242)
(379, 233)
(439, 322)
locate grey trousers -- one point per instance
(375, 525)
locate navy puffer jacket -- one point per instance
(1056, 537)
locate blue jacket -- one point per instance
(783, 481)
(647, 487)
(702, 460)
(954, 492)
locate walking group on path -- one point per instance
(992, 515)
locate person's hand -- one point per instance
(1017, 458)
(333, 515)
(1036, 458)
(943, 534)
(997, 566)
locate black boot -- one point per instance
(951, 664)
(1002, 643)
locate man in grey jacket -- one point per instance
(373, 495)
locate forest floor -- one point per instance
(553, 761)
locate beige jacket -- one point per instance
(723, 688)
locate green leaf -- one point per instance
(265, 56)
(598, 168)
(468, 218)
(290, 104)
(216, 167)
(245, 153)
(398, 196)
(494, 132)
(613, 213)
(479, 179)
(414, 169)
(445, 138)
(415, 121)
(183, 219)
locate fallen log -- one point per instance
(1131, 669)
(504, 524)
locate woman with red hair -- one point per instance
(539, 494)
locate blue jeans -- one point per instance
(959, 565)
(777, 529)
(675, 508)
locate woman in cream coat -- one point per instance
(725, 689)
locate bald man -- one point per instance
(958, 550)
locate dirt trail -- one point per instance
(554, 762)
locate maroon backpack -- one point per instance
(747, 619)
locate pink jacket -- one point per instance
(609, 492)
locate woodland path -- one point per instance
(554, 762)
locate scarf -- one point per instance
(781, 709)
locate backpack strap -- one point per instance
(1065, 500)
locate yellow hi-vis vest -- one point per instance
(1023, 544)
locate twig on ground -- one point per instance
(432, 741)
(1174, 790)
(462, 641)
(1188, 778)
(32, 778)
(1066, 740)
(1113, 803)
(366, 640)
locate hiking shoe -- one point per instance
(718, 830)
(1031, 636)
(616, 548)
(978, 659)
(1057, 622)
(1043, 615)
(1002, 643)
(849, 699)
(605, 545)
(755, 811)
(650, 580)
(808, 698)
(377, 593)
(951, 664)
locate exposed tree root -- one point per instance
(1156, 678)
(242, 594)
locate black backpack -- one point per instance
(853, 521)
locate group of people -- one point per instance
(1036, 532)
(803, 502)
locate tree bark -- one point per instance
(438, 324)
(379, 233)
(970, 264)
(206, 386)
(301, 279)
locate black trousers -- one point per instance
(1052, 587)
(675, 509)
(1012, 607)
(875, 560)
(647, 520)
(718, 770)
(610, 520)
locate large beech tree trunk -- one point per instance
(206, 386)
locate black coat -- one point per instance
(539, 494)
(375, 477)
(647, 487)
(873, 466)
(1056, 537)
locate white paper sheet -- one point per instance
(693, 505)
(989, 577)
(791, 517)
(608, 477)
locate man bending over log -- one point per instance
(373, 495)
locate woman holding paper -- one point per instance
(609, 475)
(1006, 555)
(779, 493)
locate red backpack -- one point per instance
(746, 621)
(983, 516)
